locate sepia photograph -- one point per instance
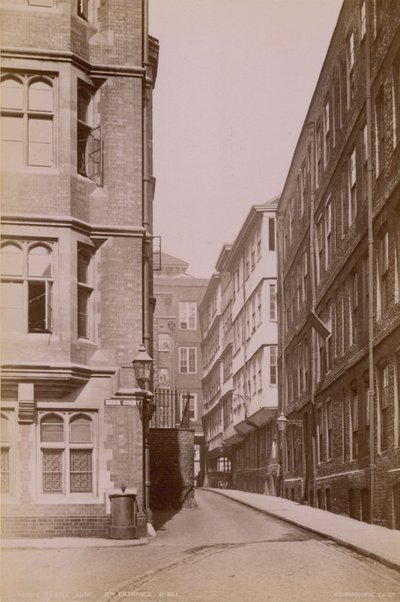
(200, 300)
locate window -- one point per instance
(354, 307)
(85, 291)
(273, 368)
(318, 155)
(259, 307)
(247, 265)
(328, 233)
(89, 141)
(352, 186)
(329, 432)
(305, 273)
(258, 244)
(187, 315)
(272, 302)
(66, 450)
(320, 247)
(383, 383)
(163, 378)
(253, 314)
(383, 272)
(329, 339)
(354, 420)
(271, 234)
(327, 131)
(187, 360)
(365, 290)
(364, 158)
(163, 341)
(188, 408)
(6, 437)
(379, 132)
(363, 20)
(350, 68)
(83, 9)
(26, 287)
(253, 257)
(320, 435)
(27, 116)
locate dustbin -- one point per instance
(123, 516)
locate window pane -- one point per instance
(40, 142)
(12, 307)
(37, 306)
(12, 141)
(5, 436)
(39, 261)
(11, 94)
(52, 471)
(52, 430)
(40, 96)
(11, 260)
(81, 430)
(81, 470)
(83, 267)
(5, 470)
(83, 313)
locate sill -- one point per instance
(71, 498)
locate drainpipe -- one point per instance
(146, 243)
(371, 389)
(282, 306)
(311, 131)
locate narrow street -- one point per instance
(219, 551)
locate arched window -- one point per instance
(66, 453)
(26, 285)
(5, 454)
(11, 260)
(39, 289)
(27, 121)
(39, 261)
(40, 97)
(85, 290)
(12, 93)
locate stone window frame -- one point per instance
(28, 281)
(8, 442)
(64, 447)
(31, 110)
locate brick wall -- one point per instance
(55, 526)
(171, 468)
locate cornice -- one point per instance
(75, 224)
(62, 56)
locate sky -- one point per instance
(235, 79)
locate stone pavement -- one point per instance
(371, 540)
(69, 542)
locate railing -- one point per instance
(172, 409)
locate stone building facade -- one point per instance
(77, 193)
(339, 262)
(239, 329)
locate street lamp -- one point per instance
(142, 365)
(282, 423)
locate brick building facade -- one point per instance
(77, 192)
(339, 262)
(177, 350)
